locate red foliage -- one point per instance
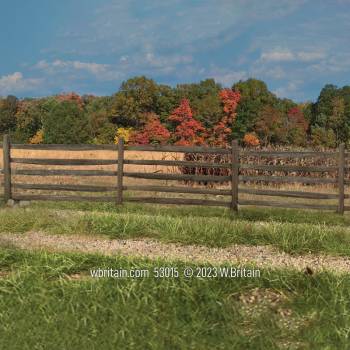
(152, 132)
(72, 97)
(189, 131)
(297, 118)
(182, 112)
(223, 129)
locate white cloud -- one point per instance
(264, 71)
(310, 56)
(277, 56)
(15, 83)
(121, 27)
(91, 67)
(336, 63)
(287, 55)
(166, 61)
(149, 62)
(230, 78)
(226, 77)
(291, 88)
(66, 73)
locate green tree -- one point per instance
(135, 97)
(254, 97)
(321, 137)
(8, 108)
(204, 100)
(337, 121)
(64, 122)
(332, 112)
(99, 115)
(166, 102)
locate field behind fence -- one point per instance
(163, 174)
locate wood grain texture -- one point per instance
(39, 172)
(234, 175)
(287, 205)
(7, 167)
(57, 161)
(174, 189)
(178, 201)
(341, 174)
(154, 176)
(54, 187)
(120, 174)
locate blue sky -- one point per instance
(296, 46)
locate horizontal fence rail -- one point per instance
(232, 167)
(69, 162)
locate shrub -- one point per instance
(251, 139)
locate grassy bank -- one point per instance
(48, 301)
(289, 230)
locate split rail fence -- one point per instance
(233, 170)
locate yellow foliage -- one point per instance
(37, 138)
(124, 133)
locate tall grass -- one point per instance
(251, 227)
(43, 308)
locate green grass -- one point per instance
(247, 213)
(40, 308)
(295, 232)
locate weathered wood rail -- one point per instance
(115, 193)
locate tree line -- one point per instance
(204, 113)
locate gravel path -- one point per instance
(260, 256)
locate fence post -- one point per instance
(234, 175)
(120, 170)
(6, 149)
(341, 175)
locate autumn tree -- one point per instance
(188, 131)
(153, 132)
(205, 101)
(125, 133)
(296, 127)
(269, 126)
(28, 119)
(222, 131)
(71, 97)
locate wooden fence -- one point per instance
(234, 177)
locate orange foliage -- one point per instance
(223, 129)
(152, 132)
(189, 131)
(73, 97)
(251, 139)
(230, 101)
